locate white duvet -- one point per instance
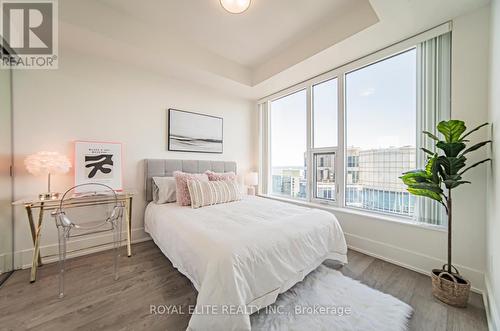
(241, 255)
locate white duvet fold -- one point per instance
(241, 255)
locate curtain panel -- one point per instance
(433, 106)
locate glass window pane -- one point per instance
(288, 145)
(381, 134)
(324, 175)
(325, 109)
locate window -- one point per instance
(348, 135)
(288, 145)
(352, 161)
(325, 139)
(324, 176)
(325, 110)
(380, 107)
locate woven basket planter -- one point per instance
(450, 288)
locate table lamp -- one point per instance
(251, 179)
(47, 163)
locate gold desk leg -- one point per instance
(128, 207)
(29, 211)
(36, 250)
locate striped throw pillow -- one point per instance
(211, 193)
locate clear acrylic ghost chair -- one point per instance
(68, 228)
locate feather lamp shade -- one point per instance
(47, 163)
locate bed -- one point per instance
(239, 255)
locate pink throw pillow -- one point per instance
(182, 191)
(214, 176)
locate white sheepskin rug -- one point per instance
(328, 300)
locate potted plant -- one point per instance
(443, 173)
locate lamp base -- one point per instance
(49, 196)
(250, 190)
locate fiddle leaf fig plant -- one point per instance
(445, 168)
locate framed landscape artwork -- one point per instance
(98, 162)
(193, 132)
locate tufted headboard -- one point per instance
(165, 168)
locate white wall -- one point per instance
(90, 98)
(470, 103)
(493, 223)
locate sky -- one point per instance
(380, 111)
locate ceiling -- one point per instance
(249, 39)
(270, 46)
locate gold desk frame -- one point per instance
(53, 204)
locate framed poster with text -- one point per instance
(98, 162)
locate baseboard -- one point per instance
(418, 262)
(76, 247)
(492, 311)
(5, 263)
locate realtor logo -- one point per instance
(29, 34)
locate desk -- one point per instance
(53, 204)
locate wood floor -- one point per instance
(94, 301)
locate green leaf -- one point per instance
(427, 186)
(446, 169)
(451, 149)
(427, 151)
(428, 166)
(476, 146)
(455, 177)
(451, 130)
(453, 183)
(473, 130)
(414, 172)
(426, 182)
(416, 176)
(426, 193)
(433, 169)
(474, 165)
(430, 135)
(451, 165)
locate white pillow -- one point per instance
(164, 190)
(211, 193)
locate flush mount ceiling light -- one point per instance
(235, 6)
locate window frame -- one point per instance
(344, 204)
(341, 159)
(324, 151)
(312, 112)
(269, 165)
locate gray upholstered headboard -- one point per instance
(165, 168)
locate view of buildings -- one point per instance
(289, 181)
(372, 179)
(324, 166)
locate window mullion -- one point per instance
(309, 143)
(341, 157)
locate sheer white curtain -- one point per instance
(433, 106)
